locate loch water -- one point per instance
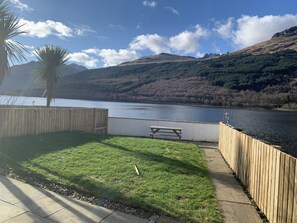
(273, 127)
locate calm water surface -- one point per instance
(276, 127)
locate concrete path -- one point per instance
(234, 203)
(20, 202)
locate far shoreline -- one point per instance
(168, 103)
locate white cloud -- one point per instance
(224, 29)
(152, 42)
(44, 29)
(111, 57)
(151, 4)
(94, 51)
(199, 54)
(83, 58)
(82, 30)
(249, 30)
(187, 41)
(184, 42)
(22, 6)
(173, 10)
(254, 29)
(49, 27)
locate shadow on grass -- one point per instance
(181, 165)
(83, 184)
(19, 149)
(15, 150)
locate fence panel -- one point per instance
(269, 174)
(16, 121)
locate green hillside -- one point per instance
(253, 72)
(234, 79)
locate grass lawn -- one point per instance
(174, 177)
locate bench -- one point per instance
(166, 131)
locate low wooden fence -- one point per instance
(269, 174)
(16, 121)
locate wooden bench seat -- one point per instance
(165, 131)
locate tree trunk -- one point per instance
(49, 95)
(48, 101)
(49, 92)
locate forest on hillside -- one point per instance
(268, 80)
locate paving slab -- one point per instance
(29, 218)
(20, 202)
(118, 217)
(8, 211)
(165, 219)
(13, 191)
(43, 207)
(81, 212)
(236, 212)
(234, 203)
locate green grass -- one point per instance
(174, 177)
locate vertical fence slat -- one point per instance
(270, 184)
(265, 175)
(267, 180)
(291, 194)
(294, 218)
(258, 165)
(261, 176)
(286, 188)
(277, 185)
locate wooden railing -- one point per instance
(16, 121)
(268, 174)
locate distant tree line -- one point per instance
(252, 72)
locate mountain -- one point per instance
(73, 68)
(268, 80)
(160, 58)
(281, 41)
(263, 75)
(22, 77)
(286, 33)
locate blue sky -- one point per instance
(100, 33)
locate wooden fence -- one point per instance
(269, 174)
(16, 121)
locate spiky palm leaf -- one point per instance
(50, 59)
(3, 9)
(10, 51)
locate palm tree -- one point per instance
(10, 51)
(50, 59)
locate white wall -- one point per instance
(193, 131)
